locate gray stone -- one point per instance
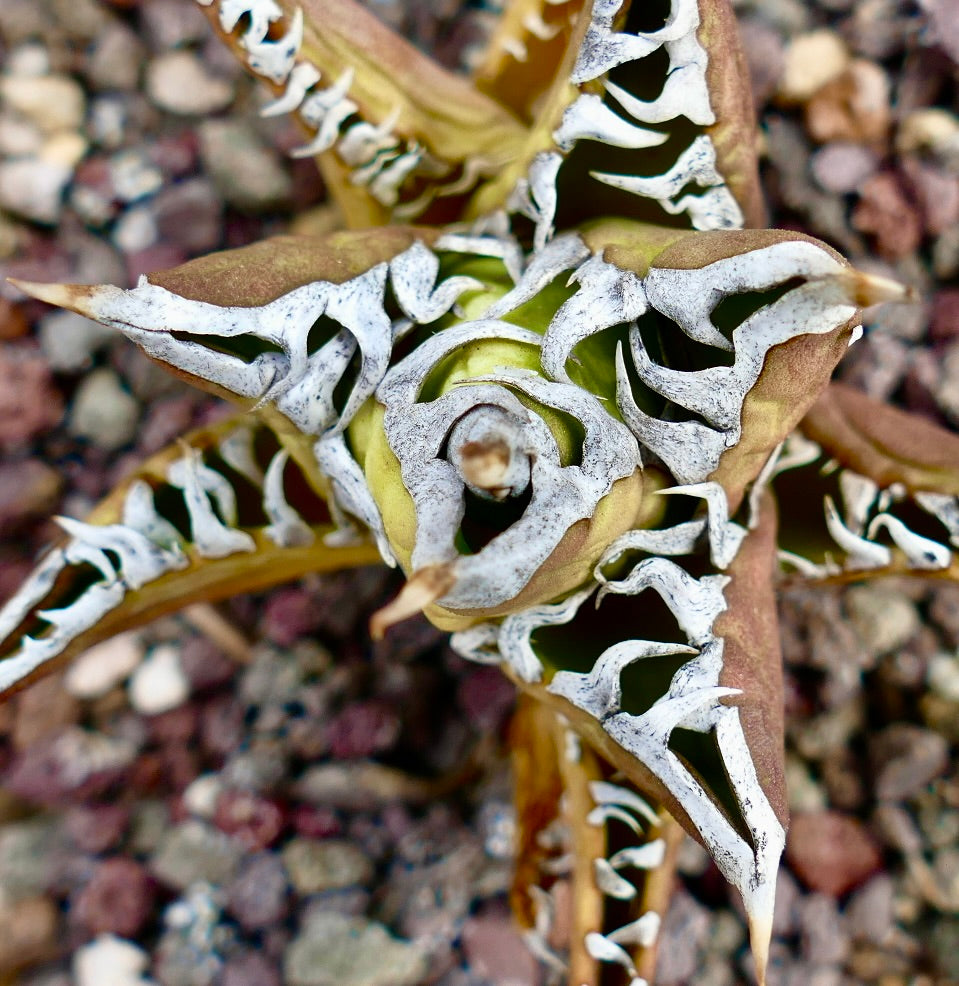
(103, 412)
(906, 759)
(870, 912)
(822, 930)
(842, 166)
(69, 340)
(316, 865)
(334, 950)
(885, 619)
(248, 173)
(179, 82)
(195, 851)
(28, 857)
(115, 59)
(33, 188)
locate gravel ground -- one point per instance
(167, 814)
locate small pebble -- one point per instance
(905, 759)
(101, 668)
(853, 106)
(870, 911)
(159, 683)
(842, 166)
(331, 864)
(810, 61)
(195, 851)
(495, 949)
(335, 950)
(103, 411)
(118, 899)
(29, 488)
(259, 897)
(29, 933)
(884, 619)
(885, 211)
(52, 102)
(830, 852)
(110, 961)
(179, 82)
(248, 174)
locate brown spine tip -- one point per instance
(425, 586)
(76, 297)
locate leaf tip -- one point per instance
(424, 587)
(77, 297)
(865, 290)
(760, 935)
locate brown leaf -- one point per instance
(884, 443)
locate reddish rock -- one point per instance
(944, 320)
(28, 489)
(885, 211)
(290, 614)
(316, 822)
(117, 900)
(97, 828)
(487, 697)
(30, 404)
(259, 897)
(363, 729)
(830, 852)
(496, 951)
(13, 322)
(255, 821)
(853, 106)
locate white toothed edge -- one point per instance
(610, 882)
(692, 449)
(860, 552)
(287, 529)
(141, 559)
(325, 110)
(213, 538)
(858, 495)
(921, 552)
(237, 452)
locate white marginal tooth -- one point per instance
(602, 814)
(860, 553)
(684, 94)
(385, 187)
(588, 118)
(236, 450)
(643, 931)
(805, 567)
(140, 514)
(315, 106)
(725, 536)
(534, 23)
(858, 495)
(696, 164)
(605, 793)
(600, 692)
(602, 50)
(644, 857)
(516, 48)
(922, 552)
(302, 77)
(564, 253)
(413, 276)
(31, 592)
(478, 644)
(274, 60)
(262, 13)
(604, 950)
(212, 538)
(329, 129)
(287, 528)
(610, 882)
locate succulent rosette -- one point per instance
(566, 416)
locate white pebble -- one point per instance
(110, 961)
(179, 82)
(200, 797)
(943, 676)
(97, 670)
(811, 60)
(159, 683)
(103, 411)
(52, 102)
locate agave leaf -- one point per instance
(739, 332)
(222, 512)
(400, 127)
(867, 490)
(690, 713)
(643, 105)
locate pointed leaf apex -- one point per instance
(864, 290)
(760, 920)
(80, 298)
(424, 587)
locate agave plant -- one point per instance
(586, 372)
